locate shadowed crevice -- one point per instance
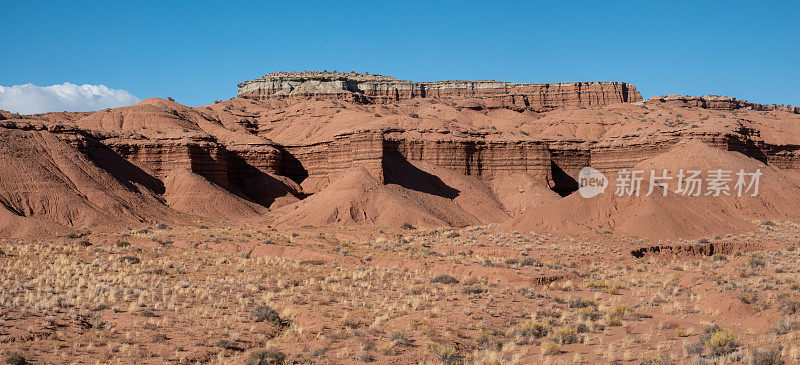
(398, 170)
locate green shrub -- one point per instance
(767, 357)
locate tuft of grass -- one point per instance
(401, 339)
(533, 329)
(596, 284)
(364, 355)
(656, 358)
(444, 279)
(159, 337)
(621, 311)
(589, 313)
(767, 357)
(566, 335)
(612, 321)
(452, 234)
(550, 348)
(473, 289)
(445, 353)
(225, 344)
(756, 261)
(722, 342)
(692, 349)
(485, 339)
(615, 289)
(265, 357)
(582, 303)
(530, 262)
(130, 260)
(264, 313)
(787, 325)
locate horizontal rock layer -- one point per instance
(717, 102)
(383, 89)
(554, 163)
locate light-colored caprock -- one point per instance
(381, 89)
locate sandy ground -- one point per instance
(349, 295)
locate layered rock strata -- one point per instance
(383, 89)
(482, 129)
(716, 102)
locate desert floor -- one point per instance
(348, 295)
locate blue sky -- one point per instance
(197, 51)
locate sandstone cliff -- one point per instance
(454, 152)
(720, 103)
(384, 89)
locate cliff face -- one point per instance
(448, 148)
(717, 102)
(383, 89)
(317, 164)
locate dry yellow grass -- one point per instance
(363, 295)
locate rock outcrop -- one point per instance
(335, 148)
(717, 102)
(385, 89)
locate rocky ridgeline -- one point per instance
(717, 102)
(367, 88)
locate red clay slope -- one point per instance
(673, 216)
(42, 178)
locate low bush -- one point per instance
(721, 343)
(264, 313)
(550, 348)
(265, 357)
(444, 279)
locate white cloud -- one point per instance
(32, 99)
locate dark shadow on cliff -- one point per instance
(128, 174)
(254, 185)
(291, 167)
(563, 184)
(398, 170)
(748, 146)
